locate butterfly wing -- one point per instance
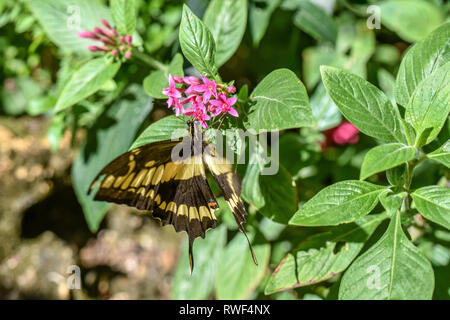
(176, 192)
(230, 185)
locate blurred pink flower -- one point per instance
(118, 46)
(224, 105)
(345, 133)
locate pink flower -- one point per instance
(231, 89)
(172, 91)
(128, 54)
(208, 88)
(346, 133)
(199, 113)
(190, 80)
(178, 107)
(224, 105)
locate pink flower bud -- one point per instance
(114, 52)
(128, 54)
(108, 42)
(97, 48)
(122, 39)
(231, 89)
(87, 34)
(106, 24)
(128, 39)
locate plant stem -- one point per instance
(149, 60)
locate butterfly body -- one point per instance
(168, 178)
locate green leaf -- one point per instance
(363, 104)
(429, 105)
(397, 176)
(412, 20)
(385, 157)
(281, 102)
(197, 43)
(207, 252)
(238, 276)
(423, 59)
(442, 154)
(226, 19)
(272, 195)
(62, 20)
(387, 83)
(124, 15)
(86, 81)
(316, 22)
(111, 136)
(433, 203)
(342, 202)
(157, 80)
(393, 268)
(314, 57)
(167, 128)
(324, 109)
(323, 255)
(391, 202)
(259, 17)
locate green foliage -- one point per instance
(323, 255)
(198, 44)
(413, 24)
(61, 20)
(385, 157)
(226, 19)
(110, 136)
(281, 102)
(433, 203)
(124, 15)
(393, 268)
(200, 284)
(363, 104)
(300, 68)
(423, 59)
(342, 202)
(314, 21)
(238, 276)
(86, 81)
(157, 80)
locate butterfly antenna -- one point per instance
(191, 256)
(249, 245)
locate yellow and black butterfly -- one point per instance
(168, 178)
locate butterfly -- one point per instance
(169, 179)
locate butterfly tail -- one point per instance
(191, 255)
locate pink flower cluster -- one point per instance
(345, 133)
(206, 98)
(111, 40)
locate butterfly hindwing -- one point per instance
(230, 185)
